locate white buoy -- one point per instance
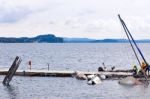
(103, 77)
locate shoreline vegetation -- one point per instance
(50, 38)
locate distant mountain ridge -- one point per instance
(50, 38)
(86, 40)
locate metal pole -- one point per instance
(129, 39)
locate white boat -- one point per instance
(94, 80)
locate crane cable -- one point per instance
(130, 37)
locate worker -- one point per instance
(143, 67)
(105, 69)
(140, 72)
(148, 69)
(135, 70)
(112, 68)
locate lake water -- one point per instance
(84, 57)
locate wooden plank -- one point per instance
(62, 73)
(12, 71)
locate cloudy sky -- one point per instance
(74, 18)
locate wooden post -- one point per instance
(12, 71)
(24, 73)
(48, 66)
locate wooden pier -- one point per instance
(55, 73)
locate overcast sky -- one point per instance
(74, 18)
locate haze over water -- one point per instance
(84, 57)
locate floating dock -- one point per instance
(55, 73)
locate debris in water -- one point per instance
(80, 76)
(93, 80)
(129, 81)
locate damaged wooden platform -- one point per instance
(55, 73)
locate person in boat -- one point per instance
(135, 70)
(148, 69)
(143, 68)
(105, 69)
(112, 68)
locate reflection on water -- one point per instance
(69, 88)
(12, 91)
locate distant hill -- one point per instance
(49, 38)
(86, 40)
